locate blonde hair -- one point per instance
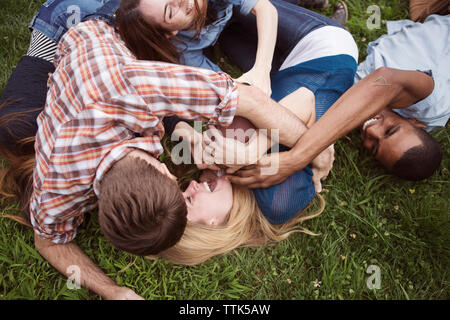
(246, 226)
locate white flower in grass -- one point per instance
(317, 283)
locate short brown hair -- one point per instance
(141, 211)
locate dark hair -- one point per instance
(419, 162)
(140, 210)
(16, 173)
(145, 40)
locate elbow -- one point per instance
(383, 72)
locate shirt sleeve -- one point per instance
(56, 217)
(247, 6)
(187, 92)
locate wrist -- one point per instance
(263, 67)
(295, 159)
(110, 291)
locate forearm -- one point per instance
(64, 256)
(265, 113)
(379, 90)
(267, 26)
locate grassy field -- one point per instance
(370, 219)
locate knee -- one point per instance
(307, 109)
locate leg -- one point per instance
(328, 78)
(302, 103)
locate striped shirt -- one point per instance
(101, 104)
(41, 46)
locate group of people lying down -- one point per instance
(84, 112)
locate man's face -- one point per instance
(387, 136)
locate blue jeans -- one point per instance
(55, 17)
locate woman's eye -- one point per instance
(189, 199)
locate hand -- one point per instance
(194, 138)
(229, 151)
(257, 78)
(270, 170)
(123, 293)
(321, 167)
(208, 175)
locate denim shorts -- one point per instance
(55, 17)
(328, 78)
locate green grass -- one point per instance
(370, 218)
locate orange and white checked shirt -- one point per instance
(101, 104)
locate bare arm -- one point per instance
(267, 26)
(65, 256)
(265, 113)
(384, 88)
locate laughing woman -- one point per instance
(189, 28)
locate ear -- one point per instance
(167, 173)
(417, 123)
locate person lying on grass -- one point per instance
(399, 138)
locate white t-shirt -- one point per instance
(323, 42)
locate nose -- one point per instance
(374, 132)
(192, 188)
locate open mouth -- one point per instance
(211, 185)
(369, 123)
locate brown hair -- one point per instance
(16, 173)
(148, 41)
(140, 210)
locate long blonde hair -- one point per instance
(246, 226)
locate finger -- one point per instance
(212, 167)
(242, 181)
(317, 185)
(201, 166)
(246, 168)
(247, 173)
(211, 133)
(232, 170)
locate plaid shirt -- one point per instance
(101, 104)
